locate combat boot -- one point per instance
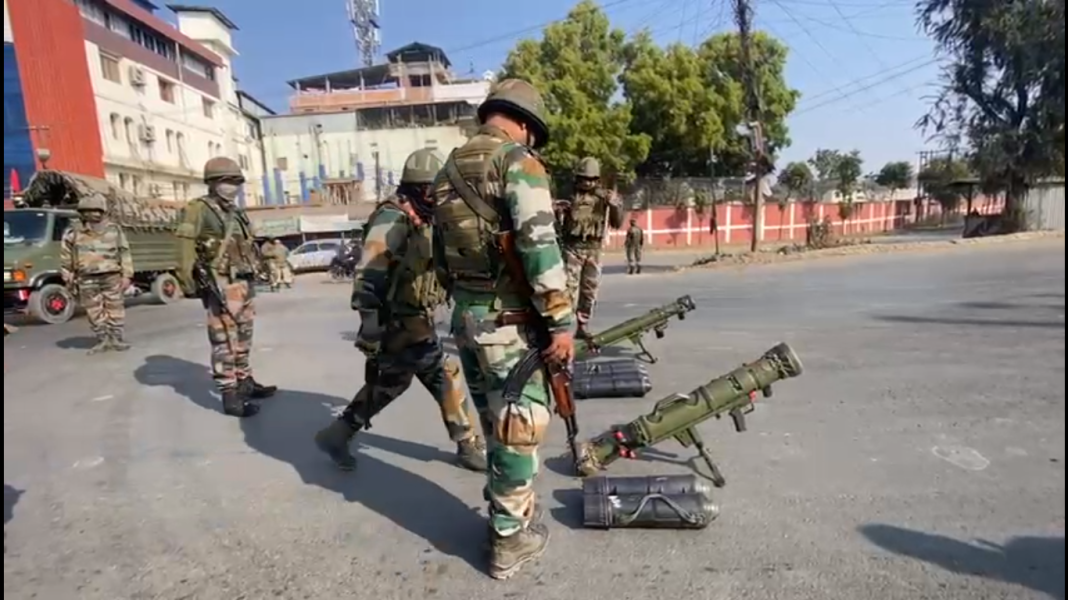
(102, 345)
(335, 440)
(471, 454)
(509, 554)
(117, 344)
(235, 405)
(253, 390)
(638, 270)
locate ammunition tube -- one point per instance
(652, 484)
(648, 511)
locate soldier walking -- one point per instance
(277, 256)
(96, 265)
(582, 237)
(396, 291)
(634, 244)
(217, 263)
(496, 180)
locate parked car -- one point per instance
(315, 255)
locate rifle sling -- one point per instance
(468, 194)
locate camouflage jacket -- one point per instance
(635, 237)
(275, 253)
(395, 276)
(584, 218)
(95, 250)
(200, 234)
(513, 180)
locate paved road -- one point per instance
(920, 457)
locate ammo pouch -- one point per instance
(621, 378)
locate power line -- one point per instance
(879, 73)
(866, 87)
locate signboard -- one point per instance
(276, 227)
(326, 224)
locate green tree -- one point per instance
(895, 176)
(825, 162)
(940, 179)
(848, 169)
(796, 181)
(691, 101)
(576, 65)
(1003, 90)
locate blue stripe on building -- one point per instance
(18, 147)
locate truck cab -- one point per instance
(32, 280)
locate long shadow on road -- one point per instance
(284, 431)
(1031, 562)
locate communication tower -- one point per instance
(363, 14)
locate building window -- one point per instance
(180, 138)
(244, 163)
(116, 126)
(137, 183)
(170, 140)
(197, 66)
(92, 11)
(166, 90)
(124, 181)
(109, 67)
(209, 108)
(129, 126)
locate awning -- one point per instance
(327, 224)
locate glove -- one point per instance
(369, 339)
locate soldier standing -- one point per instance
(215, 239)
(583, 231)
(277, 256)
(95, 262)
(396, 291)
(496, 181)
(635, 243)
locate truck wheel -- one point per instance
(52, 304)
(166, 289)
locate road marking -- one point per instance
(965, 458)
(104, 398)
(91, 463)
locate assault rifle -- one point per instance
(208, 288)
(632, 330)
(677, 416)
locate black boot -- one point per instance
(471, 454)
(235, 405)
(509, 554)
(253, 390)
(630, 270)
(335, 441)
(638, 270)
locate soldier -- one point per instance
(396, 291)
(497, 180)
(635, 242)
(277, 256)
(96, 265)
(583, 231)
(215, 238)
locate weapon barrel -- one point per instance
(635, 326)
(675, 415)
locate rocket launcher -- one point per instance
(634, 329)
(677, 416)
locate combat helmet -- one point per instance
(588, 168)
(519, 98)
(221, 167)
(421, 167)
(93, 202)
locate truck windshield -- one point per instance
(25, 227)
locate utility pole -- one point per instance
(743, 15)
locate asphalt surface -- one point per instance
(921, 456)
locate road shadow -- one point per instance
(646, 270)
(11, 498)
(82, 342)
(284, 431)
(1032, 562)
(965, 322)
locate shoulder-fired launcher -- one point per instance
(678, 416)
(632, 330)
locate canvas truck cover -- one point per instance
(62, 190)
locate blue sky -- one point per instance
(862, 67)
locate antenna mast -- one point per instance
(363, 14)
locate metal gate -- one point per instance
(1044, 206)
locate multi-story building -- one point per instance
(349, 132)
(148, 103)
(19, 161)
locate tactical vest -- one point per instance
(414, 288)
(96, 252)
(585, 221)
(470, 252)
(236, 257)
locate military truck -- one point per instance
(34, 229)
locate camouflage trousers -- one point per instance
(634, 256)
(440, 376)
(230, 332)
(513, 431)
(280, 274)
(583, 280)
(105, 306)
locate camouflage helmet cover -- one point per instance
(521, 99)
(221, 167)
(421, 167)
(589, 168)
(93, 202)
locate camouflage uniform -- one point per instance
(95, 261)
(634, 244)
(216, 236)
(396, 291)
(514, 186)
(277, 256)
(582, 236)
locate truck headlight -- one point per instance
(15, 275)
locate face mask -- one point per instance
(227, 191)
(92, 217)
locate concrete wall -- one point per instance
(304, 149)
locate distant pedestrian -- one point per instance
(634, 244)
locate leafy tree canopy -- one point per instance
(941, 180)
(797, 179)
(847, 171)
(895, 175)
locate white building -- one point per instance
(166, 97)
(351, 131)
